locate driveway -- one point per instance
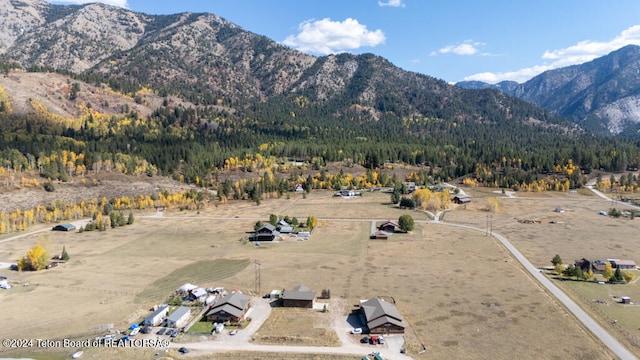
(261, 310)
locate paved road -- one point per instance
(614, 345)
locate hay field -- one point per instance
(463, 296)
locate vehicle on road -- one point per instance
(183, 350)
(233, 332)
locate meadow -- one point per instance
(461, 293)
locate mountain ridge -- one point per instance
(602, 95)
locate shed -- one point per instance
(64, 227)
(198, 294)
(382, 235)
(179, 317)
(626, 300)
(275, 294)
(186, 288)
(157, 316)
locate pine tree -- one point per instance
(65, 255)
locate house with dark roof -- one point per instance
(461, 199)
(267, 232)
(389, 226)
(382, 317)
(300, 296)
(64, 227)
(231, 308)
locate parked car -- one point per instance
(380, 340)
(161, 331)
(134, 332)
(183, 350)
(146, 330)
(364, 340)
(233, 332)
(356, 331)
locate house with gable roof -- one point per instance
(382, 317)
(231, 308)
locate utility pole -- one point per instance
(257, 264)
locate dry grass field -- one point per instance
(297, 327)
(461, 293)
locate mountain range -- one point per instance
(602, 95)
(184, 93)
(207, 60)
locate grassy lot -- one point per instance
(202, 326)
(201, 272)
(603, 301)
(460, 292)
(297, 327)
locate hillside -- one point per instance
(209, 96)
(602, 95)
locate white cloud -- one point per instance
(392, 3)
(330, 37)
(119, 3)
(468, 47)
(579, 53)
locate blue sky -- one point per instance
(453, 40)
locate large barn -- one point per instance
(382, 317)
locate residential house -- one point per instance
(267, 232)
(389, 226)
(231, 308)
(179, 318)
(64, 227)
(382, 317)
(584, 264)
(157, 317)
(461, 199)
(622, 264)
(300, 296)
(284, 227)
